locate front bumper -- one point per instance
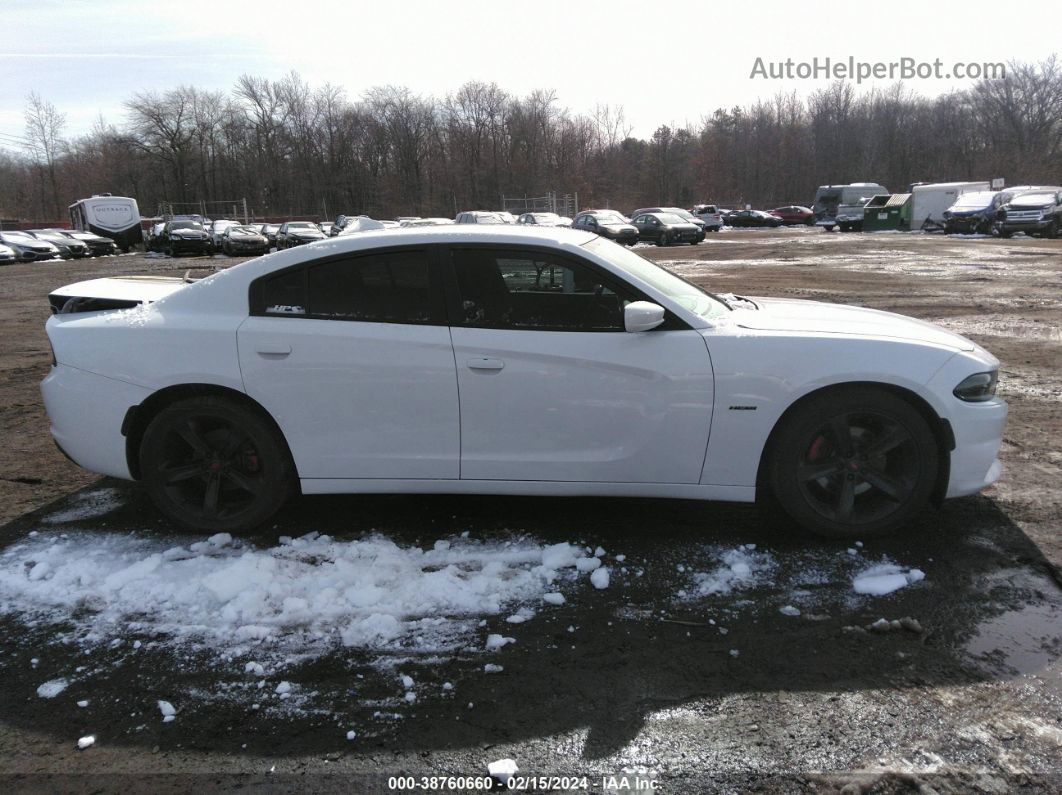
(978, 429)
(180, 245)
(1042, 225)
(86, 412)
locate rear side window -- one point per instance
(391, 287)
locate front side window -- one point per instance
(389, 287)
(535, 291)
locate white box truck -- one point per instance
(929, 201)
(116, 217)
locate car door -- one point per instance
(551, 386)
(351, 355)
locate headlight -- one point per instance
(978, 387)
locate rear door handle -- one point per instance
(272, 349)
(486, 364)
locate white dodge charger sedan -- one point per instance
(510, 360)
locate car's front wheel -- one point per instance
(213, 464)
(855, 462)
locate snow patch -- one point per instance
(52, 688)
(884, 578)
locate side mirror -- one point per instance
(642, 316)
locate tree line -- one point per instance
(293, 149)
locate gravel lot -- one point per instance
(651, 677)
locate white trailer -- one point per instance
(116, 217)
(928, 202)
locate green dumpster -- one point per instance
(887, 211)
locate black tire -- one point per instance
(170, 251)
(1052, 230)
(664, 239)
(212, 464)
(853, 463)
(828, 228)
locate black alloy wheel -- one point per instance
(215, 465)
(859, 462)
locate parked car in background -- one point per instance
(269, 231)
(426, 222)
(685, 215)
(243, 240)
(542, 219)
(68, 249)
(1038, 214)
(364, 223)
(666, 229)
(752, 218)
(7, 255)
(710, 214)
(184, 237)
(28, 248)
(326, 227)
(794, 215)
(295, 233)
(341, 223)
(479, 217)
(346, 368)
(98, 245)
(607, 223)
(217, 232)
(399, 219)
(847, 200)
(506, 216)
(975, 212)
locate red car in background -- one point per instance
(794, 214)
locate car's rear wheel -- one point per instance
(857, 462)
(1052, 230)
(215, 465)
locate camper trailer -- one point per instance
(929, 201)
(116, 217)
(832, 201)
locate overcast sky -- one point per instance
(664, 63)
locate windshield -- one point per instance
(688, 296)
(680, 213)
(243, 230)
(488, 219)
(302, 225)
(20, 236)
(975, 201)
(610, 218)
(1035, 199)
(670, 218)
(185, 225)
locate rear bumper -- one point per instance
(86, 413)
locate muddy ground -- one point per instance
(967, 698)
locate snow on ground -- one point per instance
(89, 505)
(884, 578)
(810, 578)
(305, 595)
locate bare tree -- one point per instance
(44, 140)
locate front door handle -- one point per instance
(272, 349)
(486, 364)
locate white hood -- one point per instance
(783, 314)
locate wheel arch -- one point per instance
(940, 428)
(140, 416)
